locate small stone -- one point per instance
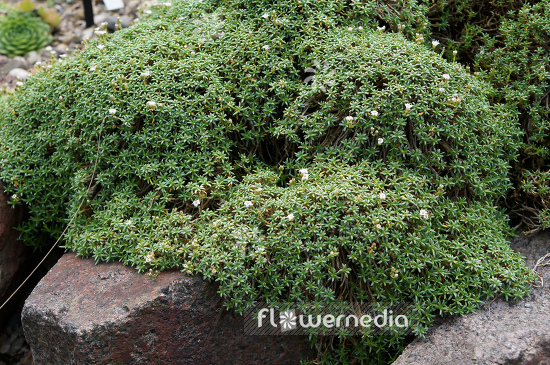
(100, 18)
(19, 73)
(132, 6)
(61, 48)
(527, 305)
(16, 62)
(88, 33)
(69, 37)
(78, 14)
(33, 57)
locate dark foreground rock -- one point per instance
(81, 313)
(13, 252)
(500, 333)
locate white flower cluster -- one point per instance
(305, 174)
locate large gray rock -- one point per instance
(500, 332)
(82, 313)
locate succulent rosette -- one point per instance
(22, 33)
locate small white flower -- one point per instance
(382, 196)
(60, 97)
(374, 113)
(100, 46)
(63, 55)
(435, 43)
(196, 203)
(248, 203)
(112, 111)
(305, 176)
(381, 29)
(304, 171)
(128, 222)
(215, 224)
(446, 76)
(93, 67)
(38, 63)
(265, 16)
(408, 107)
(380, 141)
(151, 105)
(395, 275)
(266, 47)
(150, 257)
(167, 4)
(441, 90)
(49, 48)
(145, 74)
(350, 29)
(19, 83)
(378, 226)
(53, 53)
(360, 28)
(349, 118)
(148, 12)
(455, 52)
(15, 197)
(424, 213)
(49, 66)
(99, 32)
(290, 217)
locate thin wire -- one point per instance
(68, 225)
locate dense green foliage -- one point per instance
(21, 33)
(291, 151)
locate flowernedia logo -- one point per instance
(355, 318)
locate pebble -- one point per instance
(16, 62)
(88, 33)
(33, 58)
(61, 48)
(100, 18)
(20, 73)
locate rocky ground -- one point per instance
(67, 36)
